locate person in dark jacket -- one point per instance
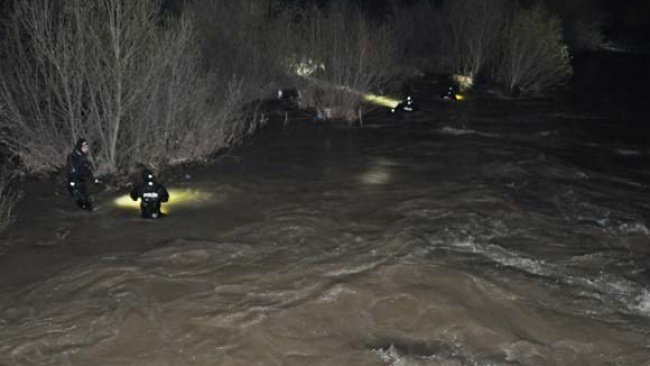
(151, 194)
(80, 174)
(450, 94)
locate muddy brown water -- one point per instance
(487, 233)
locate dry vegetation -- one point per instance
(355, 55)
(115, 72)
(474, 29)
(349, 53)
(155, 89)
(494, 41)
(533, 57)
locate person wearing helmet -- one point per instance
(450, 94)
(80, 174)
(151, 194)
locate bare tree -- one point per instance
(534, 57)
(40, 86)
(353, 55)
(475, 27)
(116, 72)
(266, 42)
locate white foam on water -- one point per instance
(332, 295)
(364, 267)
(643, 303)
(504, 257)
(610, 289)
(634, 228)
(392, 357)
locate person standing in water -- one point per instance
(151, 195)
(80, 174)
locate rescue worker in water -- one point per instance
(80, 174)
(151, 195)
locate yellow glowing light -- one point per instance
(459, 96)
(177, 198)
(381, 100)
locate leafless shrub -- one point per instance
(185, 113)
(115, 72)
(534, 57)
(356, 54)
(266, 44)
(332, 103)
(39, 87)
(475, 28)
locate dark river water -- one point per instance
(480, 233)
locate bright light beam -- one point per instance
(381, 100)
(177, 198)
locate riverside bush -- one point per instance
(117, 72)
(533, 57)
(330, 54)
(333, 54)
(487, 40)
(474, 30)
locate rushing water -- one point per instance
(484, 233)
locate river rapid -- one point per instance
(488, 232)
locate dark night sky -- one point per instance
(620, 13)
(628, 22)
(623, 17)
(628, 14)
